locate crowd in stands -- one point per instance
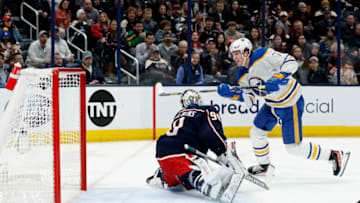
(156, 33)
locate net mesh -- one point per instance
(26, 148)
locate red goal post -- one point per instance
(44, 153)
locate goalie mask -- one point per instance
(190, 97)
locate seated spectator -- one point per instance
(297, 53)
(199, 23)
(58, 61)
(63, 17)
(197, 76)
(62, 48)
(203, 6)
(155, 62)
(177, 21)
(136, 36)
(327, 43)
(322, 25)
(180, 57)
(82, 25)
(210, 31)
(4, 71)
(128, 23)
(219, 14)
(16, 58)
(316, 73)
(164, 27)
(325, 7)
(278, 45)
(280, 30)
(149, 23)
(315, 51)
(231, 33)
(15, 36)
(5, 44)
(94, 74)
(161, 13)
(283, 21)
(92, 14)
(305, 46)
(143, 50)
(347, 74)
(167, 47)
(355, 45)
(99, 29)
(302, 14)
(196, 45)
(220, 43)
(255, 37)
(37, 56)
(348, 30)
(298, 28)
(332, 61)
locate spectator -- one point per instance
(100, 28)
(305, 46)
(177, 21)
(209, 30)
(197, 76)
(94, 74)
(37, 56)
(92, 14)
(298, 30)
(255, 37)
(139, 13)
(322, 25)
(15, 36)
(355, 45)
(231, 33)
(219, 14)
(348, 30)
(327, 43)
(297, 53)
(184, 11)
(233, 13)
(62, 48)
(304, 16)
(199, 24)
(280, 30)
(165, 27)
(155, 62)
(283, 21)
(179, 57)
(63, 17)
(4, 71)
(220, 43)
(143, 50)
(136, 36)
(161, 13)
(203, 6)
(332, 61)
(325, 7)
(58, 61)
(82, 25)
(16, 58)
(196, 45)
(347, 74)
(110, 45)
(167, 47)
(149, 24)
(278, 44)
(316, 73)
(129, 22)
(5, 44)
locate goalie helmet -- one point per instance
(241, 45)
(189, 97)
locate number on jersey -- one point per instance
(176, 125)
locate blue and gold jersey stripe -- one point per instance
(315, 151)
(262, 151)
(257, 56)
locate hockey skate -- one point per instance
(339, 161)
(260, 169)
(157, 179)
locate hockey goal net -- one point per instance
(43, 132)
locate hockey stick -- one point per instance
(160, 90)
(265, 185)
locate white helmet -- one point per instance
(241, 45)
(189, 97)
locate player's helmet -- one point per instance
(189, 97)
(241, 45)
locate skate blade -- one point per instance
(344, 163)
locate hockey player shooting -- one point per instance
(199, 127)
(284, 103)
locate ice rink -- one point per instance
(117, 173)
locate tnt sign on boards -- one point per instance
(101, 108)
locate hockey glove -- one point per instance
(272, 85)
(224, 90)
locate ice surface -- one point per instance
(117, 173)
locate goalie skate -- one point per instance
(339, 161)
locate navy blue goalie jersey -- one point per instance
(197, 126)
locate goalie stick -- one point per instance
(249, 177)
(160, 90)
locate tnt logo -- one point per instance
(101, 108)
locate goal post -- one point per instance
(43, 157)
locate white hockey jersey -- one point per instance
(264, 63)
